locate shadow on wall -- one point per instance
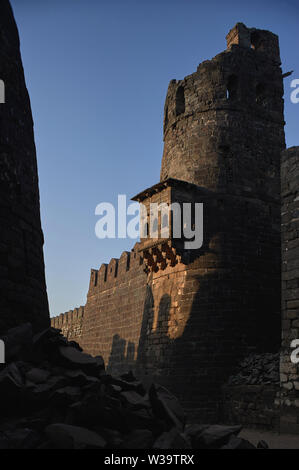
(125, 356)
(196, 364)
(122, 356)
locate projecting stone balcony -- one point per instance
(160, 256)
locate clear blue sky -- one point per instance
(97, 73)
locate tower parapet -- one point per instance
(224, 124)
(260, 40)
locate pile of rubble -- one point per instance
(52, 395)
(257, 369)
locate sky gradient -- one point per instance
(97, 73)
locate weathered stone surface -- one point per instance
(74, 359)
(289, 371)
(167, 405)
(37, 376)
(18, 340)
(11, 382)
(250, 395)
(70, 323)
(23, 438)
(262, 445)
(139, 439)
(215, 436)
(23, 294)
(236, 443)
(257, 369)
(73, 437)
(172, 439)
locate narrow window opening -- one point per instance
(255, 41)
(145, 230)
(180, 101)
(232, 87)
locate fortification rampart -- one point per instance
(70, 323)
(114, 310)
(289, 371)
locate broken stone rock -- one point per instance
(11, 387)
(64, 436)
(262, 445)
(23, 438)
(138, 439)
(60, 397)
(167, 406)
(38, 376)
(236, 443)
(74, 359)
(172, 439)
(216, 436)
(18, 342)
(134, 400)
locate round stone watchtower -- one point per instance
(224, 124)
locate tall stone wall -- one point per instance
(114, 311)
(252, 406)
(23, 295)
(70, 323)
(290, 289)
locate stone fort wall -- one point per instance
(137, 321)
(290, 288)
(70, 323)
(187, 324)
(113, 313)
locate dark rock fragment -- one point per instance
(166, 406)
(64, 436)
(138, 439)
(172, 439)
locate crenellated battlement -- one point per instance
(118, 271)
(70, 323)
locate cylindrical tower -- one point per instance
(23, 295)
(224, 133)
(224, 124)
